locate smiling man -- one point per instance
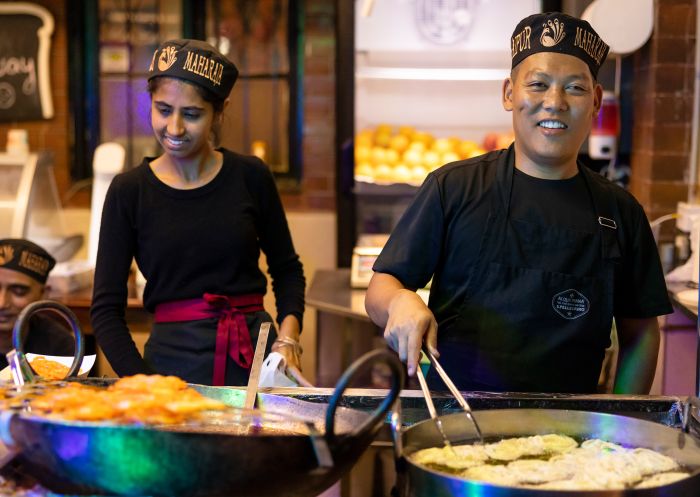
(24, 268)
(532, 255)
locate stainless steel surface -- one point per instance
(497, 424)
(330, 291)
(431, 407)
(254, 378)
(454, 391)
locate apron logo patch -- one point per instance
(570, 304)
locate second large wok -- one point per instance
(419, 481)
(136, 460)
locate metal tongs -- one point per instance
(453, 390)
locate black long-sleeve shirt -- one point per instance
(190, 242)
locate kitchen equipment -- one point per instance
(453, 390)
(19, 332)
(254, 378)
(602, 142)
(431, 407)
(417, 481)
(363, 257)
(202, 460)
(107, 162)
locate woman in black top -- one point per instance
(195, 219)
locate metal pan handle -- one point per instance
(356, 368)
(22, 324)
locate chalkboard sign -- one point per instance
(25, 43)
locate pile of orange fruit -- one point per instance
(403, 154)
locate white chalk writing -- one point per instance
(12, 66)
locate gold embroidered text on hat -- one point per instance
(26, 257)
(559, 33)
(197, 62)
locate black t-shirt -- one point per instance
(565, 202)
(440, 233)
(48, 336)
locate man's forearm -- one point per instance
(382, 289)
(639, 350)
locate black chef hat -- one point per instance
(26, 257)
(195, 61)
(560, 33)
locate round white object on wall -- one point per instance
(625, 25)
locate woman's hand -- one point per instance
(287, 342)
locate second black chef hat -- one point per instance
(195, 61)
(26, 257)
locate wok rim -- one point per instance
(279, 414)
(25, 416)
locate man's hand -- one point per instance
(406, 319)
(409, 321)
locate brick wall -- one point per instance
(663, 102)
(318, 153)
(52, 134)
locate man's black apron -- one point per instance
(539, 302)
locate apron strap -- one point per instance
(606, 209)
(607, 214)
(232, 334)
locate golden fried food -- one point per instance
(48, 369)
(536, 471)
(140, 399)
(662, 479)
(554, 462)
(466, 456)
(491, 474)
(601, 446)
(511, 449)
(150, 383)
(557, 444)
(650, 462)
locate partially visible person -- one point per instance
(24, 269)
(196, 219)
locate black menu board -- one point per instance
(25, 93)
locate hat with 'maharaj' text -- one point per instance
(559, 33)
(197, 62)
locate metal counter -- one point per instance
(689, 310)
(662, 409)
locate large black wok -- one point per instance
(418, 481)
(206, 461)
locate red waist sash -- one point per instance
(232, 335)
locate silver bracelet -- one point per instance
(290, 342)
